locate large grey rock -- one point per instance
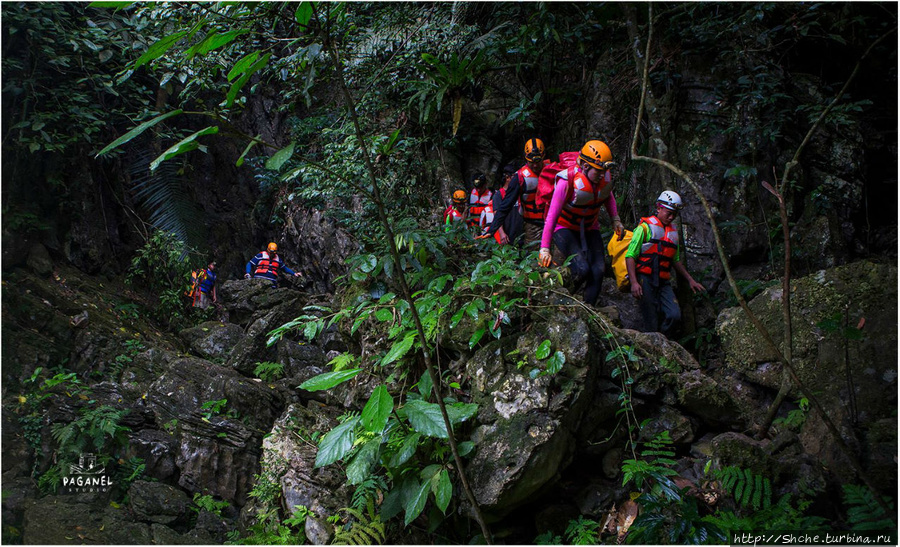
(62, 520)
(526, 431)
(158, 502)
(39, 260)
(218, 451)
(157, 449)
(213, 339)
(288, 460)
(844, 323)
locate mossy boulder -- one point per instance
(844, 323)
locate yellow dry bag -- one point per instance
(617, 250)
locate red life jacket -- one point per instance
(453, 215)
(583, 199)
(268, 264)
(532, 212)
(477, 203)
(658, 252)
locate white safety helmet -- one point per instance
(670, 200)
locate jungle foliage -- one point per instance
(418, 72)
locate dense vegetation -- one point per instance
(376, 103)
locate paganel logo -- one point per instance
(86, 476)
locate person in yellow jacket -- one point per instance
(652, 255)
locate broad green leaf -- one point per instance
(337, 443)
(213, 41)
(429, 472)
(304, 13)
(360, 467)
(328, 380)
(443, 491)
(406, 451)
(377, 410)
(278, 158)
(369, 263)
(425, 385)
(159, 48)
(476, 337)
(426, 418)
(465, 447)
(240, 160)
(399, 349)
(310, 330)
(543, 350)
(384, 315)
(241, 66)
(184, 145)
(137, 131)
(245, 77)
(457, 317)
(460, 412)
(415, 505)
(556, 362)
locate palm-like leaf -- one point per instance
(161, 194)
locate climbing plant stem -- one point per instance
(404, 287)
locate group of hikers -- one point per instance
(556, 205)
(265, 265)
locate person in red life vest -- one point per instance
(456, 213)
(510, 229)
(267, 264)
(653, 253)
(520, 195)
(479, 197)
(573, 218)
(207, 280)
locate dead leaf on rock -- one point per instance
(627, 513)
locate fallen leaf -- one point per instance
(862, 323)
(627, 513)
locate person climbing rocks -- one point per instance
(521, 194)
(479, 197)
(653, 253)
(266, 265)
(572, 222)
(206, 287)
(456, 212)
(510, 229)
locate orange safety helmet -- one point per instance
(459, 196)
(596, 154)
(272, 247)
(534, 150)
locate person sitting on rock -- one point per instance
(266, 265)
(653, 253)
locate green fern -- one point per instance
(747, 488)
(864, 512)
(583, 531)
(268, 371)
(362, 528)
(366, 491)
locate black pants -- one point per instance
(658, 299)
(587, 264)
